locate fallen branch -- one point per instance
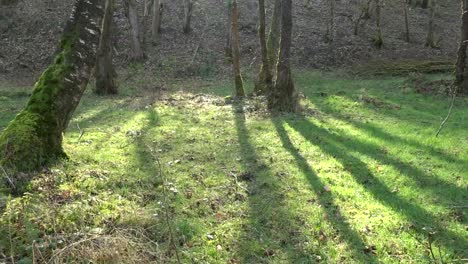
(448, 114)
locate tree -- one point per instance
(283, 96)
(228, 45)
(236, 50)
(104, 71)
(158, 7)
(330, 35)
(188, 9)
(378, 41)
(407, 31)
(132, 15)
(34, 137)
(273, 42)
(430, 42)
(461, 72)
(264, 81)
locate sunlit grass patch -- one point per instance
(360, 178)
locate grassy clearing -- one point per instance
(359, 177)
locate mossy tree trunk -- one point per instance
(283, 97)
(34, 137)
(264, 82)
(158, 7)
(239, 83)
(104, 70)
(274, 38)
(461, 72)
(188, 9)
(132, 15)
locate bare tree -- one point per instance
(283, 96)
(430, 42)
(188, 9)
(228, 45)
(461, 72)
(158, 7)
(132, 15)
(378, 41)
(104, 71)
(407, 31)
(330, 35)
(273, 42)
(236, 50)
(34, 137)
(264, 81)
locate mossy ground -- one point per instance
(357, 178)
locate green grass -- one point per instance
(357, 178)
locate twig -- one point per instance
(81, 132)
(448, 114)
(166, 211)
(10, 181)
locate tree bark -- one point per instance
(273, 42)
(34, 137)
(461, 72)
(283, 97)
(264, 81)
(236, 50)
(330, 35)
(228, 45)
(378, 41)
(132, 15)
(188, 16)
(407, 31)
(430, 28)
(158, 7)
(104, 70)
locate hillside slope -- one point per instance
(30, 30)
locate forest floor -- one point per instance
(193, 174)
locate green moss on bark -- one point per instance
(34, 137)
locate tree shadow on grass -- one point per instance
(272, 230)
(331, 210)
(340, 148)
(272, 225)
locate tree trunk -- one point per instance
(156, 23)
(236, 50)
(378, 41)
(407, 31)
(330, 35)
(34, 137)
(430, 28)
(104, 70)
(425, 3)
(461, 72)
(283, 97)
(132, 15)
(264, 81)
(273, 42)
(228, 46)
(188, 15)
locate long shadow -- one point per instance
(339, 147)
(413, 173)
(272, 227)
(326, 200)
(380, 133)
